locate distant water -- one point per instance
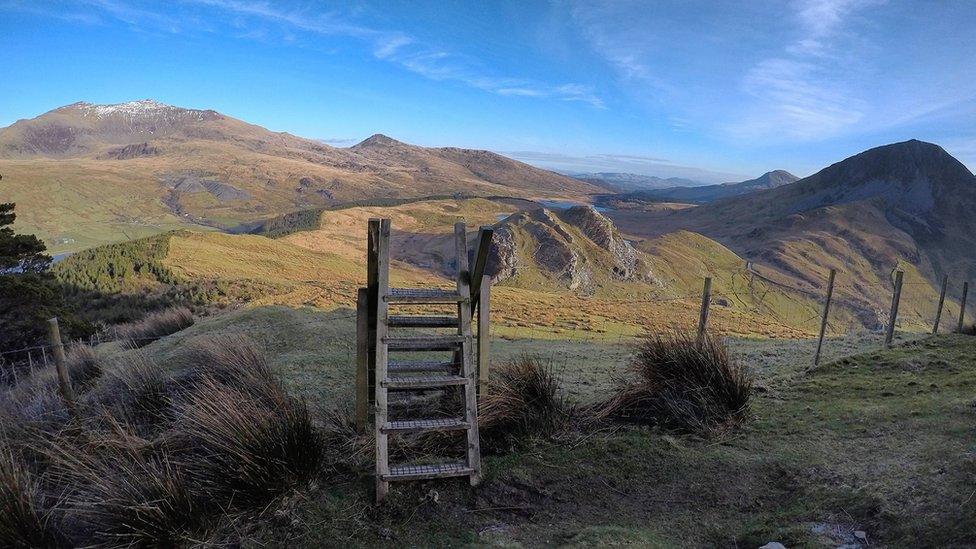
(566, 204)
(58, 258)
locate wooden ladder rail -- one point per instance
(468, 371)
(380, 412)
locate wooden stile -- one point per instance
(425, 374)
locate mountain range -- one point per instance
(903, 205)
(707, 193)
(158, 166)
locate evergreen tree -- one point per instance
(19, 252)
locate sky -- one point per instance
(713, 91)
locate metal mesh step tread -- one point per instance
(437, 470)
(436, 343)
(407, 321)
(418, 366)
(419, 425)
(424, 295)
(422, 382)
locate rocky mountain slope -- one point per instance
(624, 182)
(905, 204)
(200, 166)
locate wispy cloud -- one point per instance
(392, 46)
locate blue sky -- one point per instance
(701, 89)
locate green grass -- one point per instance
(879, 441)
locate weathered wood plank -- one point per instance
(362, 360)
(382, 311)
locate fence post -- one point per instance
(823, 317)
(893, 316)
(362, 360)
(705, 302)
(64, 380)
(938, 312)
(484, 330)
(962, 306)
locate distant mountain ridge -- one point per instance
(623, 182)
(710, 193)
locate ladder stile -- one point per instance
(430, 372)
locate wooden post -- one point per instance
(372, 278)
(938, 311)
(482, 247)
(823, 317)
(464, 328)
(382, 256)
(362, 360)
(30, 362)
(484, 333)
(962, 306)
(705, 302)
(893, 316)
(64, 381)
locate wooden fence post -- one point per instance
(938, 311)
(484, 331)
(962, 306)
(893, 316)
(64, 380)
(705, 302)
(362, 360)
(823, 317)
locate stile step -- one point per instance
(423, 295)
(406, 321)
(421, 366)
(437, 470)
(422, 382)
(436, 343)
(424, 425)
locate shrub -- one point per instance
(523, 399)
(154, 326)
(684, 383)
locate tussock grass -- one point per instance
(681, 382)
(154, 326)
(158, 453)
(23, 521)
(967, 329)
(523, 399)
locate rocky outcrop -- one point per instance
(577, 248)
(601, 230)
(135, 150)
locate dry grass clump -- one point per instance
(23, 521)
(154, 326)
(523, 399)
(157, 454)
(684, 383)
(83, 366)
(969, 329)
